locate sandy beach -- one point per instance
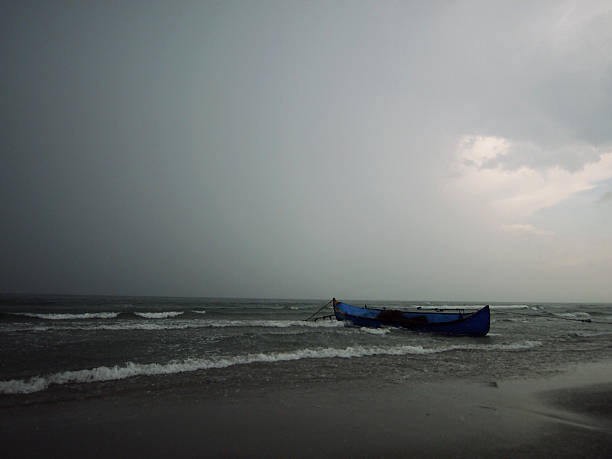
(567, 415)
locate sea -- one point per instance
(54, 347)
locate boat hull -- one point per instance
(453, 323)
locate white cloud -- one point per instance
(525, 228)
(518, 193)
(476, 150)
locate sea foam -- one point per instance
(131, 369)
(375, 331)
(178, 325)
(159, 315)
(574, 315)
(67, 316)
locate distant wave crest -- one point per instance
(68, 316)
(180, 325)
(574, 315)
(100, 315)
(159, 315)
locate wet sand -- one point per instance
(565, 416)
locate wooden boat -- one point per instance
(452, 323)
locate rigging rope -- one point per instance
(318, 311)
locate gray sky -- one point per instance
(389, 150)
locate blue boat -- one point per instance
(451, 323)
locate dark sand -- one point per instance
(564, 416)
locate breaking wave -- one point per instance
(375, 331)
(574, 315)
(159, 315)
(178, 325)
(100, 315)
(131, 369)
(509, 306)
(66, 316)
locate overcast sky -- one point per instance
(360, 149)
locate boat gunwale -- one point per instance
(421, 311)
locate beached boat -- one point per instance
(451, 323)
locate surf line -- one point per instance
(131, 369)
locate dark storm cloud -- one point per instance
(280, 148)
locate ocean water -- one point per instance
(59, 346)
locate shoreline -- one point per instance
(565, 415)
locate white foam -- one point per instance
(62, 316)
(574, 315)
(375, 331)
(221, 323)
(199, 312)
(131, 369)
(115, 326)
(179, 325)
(509, 306)
(159, 315)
